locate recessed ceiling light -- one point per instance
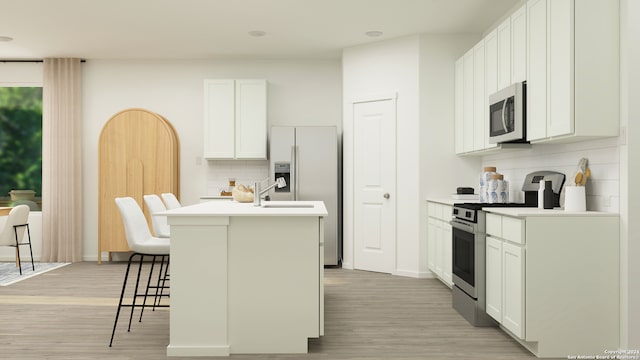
(5, 38)
(257, 33)
(373, 33)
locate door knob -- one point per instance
(386, 195)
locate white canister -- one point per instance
(485, 177)
(575, 199)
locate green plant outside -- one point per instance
(20, 139)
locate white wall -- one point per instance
(299, 93)
(420, 70)
(630, 172)
(603, 188)
(441, 171)
(20, 74)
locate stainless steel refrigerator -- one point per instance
(307, 157)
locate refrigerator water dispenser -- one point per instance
(282, 169)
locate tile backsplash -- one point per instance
(244, 171)
(602, 189)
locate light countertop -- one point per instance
(234, 208)
(534, 211)
(216, 197)
(450, 201)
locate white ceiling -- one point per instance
(207, 29)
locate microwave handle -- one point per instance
(504, 121)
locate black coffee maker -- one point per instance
(531, 185)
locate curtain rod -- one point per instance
(29, 61)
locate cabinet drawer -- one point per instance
(493, 225)
(445, 214)
(513, 229)
(432, 209)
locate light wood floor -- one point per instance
(68, 314)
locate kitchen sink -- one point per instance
(286, 205)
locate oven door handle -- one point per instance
(462, 226)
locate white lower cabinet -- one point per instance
(513, 285)
(505, 281)
(439, 248)
(552, 279)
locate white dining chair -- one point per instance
(171, 201)
(13, 232)
(159, 223)
(142, 244)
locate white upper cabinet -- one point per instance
(468, 108)
(459, 105)
(519, 45)
(490, 78)
(504, 54)
(573, 70)
(537, 69)
(480, 98)
(235, 119)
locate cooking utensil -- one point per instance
(582, 173)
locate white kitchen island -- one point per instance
(246, 279)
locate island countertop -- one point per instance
(234, 208)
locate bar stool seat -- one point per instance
(142, 244)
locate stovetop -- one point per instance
(478, 206)
(470, 212)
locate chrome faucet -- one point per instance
(257, 192)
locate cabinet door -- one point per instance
(219, 117)
(479, 98)
(490, 77)
(519, 45)
(459, 106)
(494, 278)
(439, 263)
(431, 244)
(447, 254)
(467, 116)
(536, 69)
(513, 285)
(504, 54)
(560, 86)
(251, 119)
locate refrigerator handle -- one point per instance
(297, 188)
(294, 169)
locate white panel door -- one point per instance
(536, 69)
(251, 119)
(494, 278)
(432, 232)
(560, 60)
(519, 45)
(504, 54)
(490, 78)
(480, 100)
(219, 119)
(374, 183)
(513, 286)
(447, 251)
(459, 107)
(467, 114)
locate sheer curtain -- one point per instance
(62, 161)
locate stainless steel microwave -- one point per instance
(507, 118)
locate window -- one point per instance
(21, 145)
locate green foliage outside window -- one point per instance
(20, 139)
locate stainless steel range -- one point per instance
(468, 241)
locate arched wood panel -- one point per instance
(139, 154)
